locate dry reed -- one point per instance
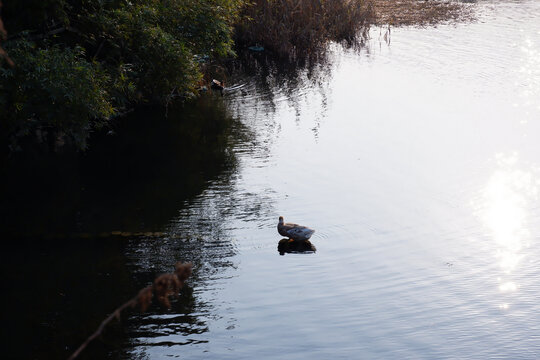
(164, 286)
(299, 28)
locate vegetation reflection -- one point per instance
(104, 214)
(133, 180)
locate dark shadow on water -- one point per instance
(133, 178)
(56, 292)
(83, 232)
(286, 246)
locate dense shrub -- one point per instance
(138, 50)
(162, 40)
(79, 62)
(54, 90)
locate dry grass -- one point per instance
(419, 12)
(299, 28)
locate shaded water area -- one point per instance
(416, 159)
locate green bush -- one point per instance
(153, 60)
(205, 25)
(82, 61)
(53, 89)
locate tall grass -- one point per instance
(298, 28)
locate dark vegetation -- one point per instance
(78, 64)
(133, 179)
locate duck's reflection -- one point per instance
(292, 246)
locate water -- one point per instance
(416, 161)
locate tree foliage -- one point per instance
(55, 89)
(81, 62)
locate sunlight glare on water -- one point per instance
(506, 209)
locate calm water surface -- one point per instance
(417, 161)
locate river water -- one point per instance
(415, 158)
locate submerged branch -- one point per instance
(164, 286)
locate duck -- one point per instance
(294, 232)
(217, 85)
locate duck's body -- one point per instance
(217, 85)
(294, 231)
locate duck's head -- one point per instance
(281, 219)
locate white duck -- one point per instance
(294, 231)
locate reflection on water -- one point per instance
(262, 86)
(288, 246)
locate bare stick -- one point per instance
(163, 287)
(115, 314)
